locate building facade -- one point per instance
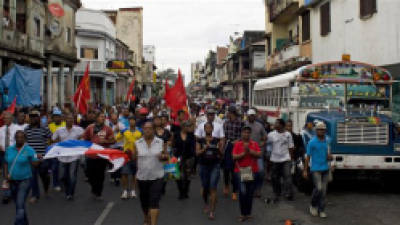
(129, 29)
(32, 34)
(96, 43)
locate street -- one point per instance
(359, 203)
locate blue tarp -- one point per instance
(23, 82)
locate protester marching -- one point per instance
(143, 147)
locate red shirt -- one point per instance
(248, 160)
(105, 133)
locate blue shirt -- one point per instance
(22, 169)
(318, 152)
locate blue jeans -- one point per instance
(41, 171)
(320, 180)
(209, 175)
(260, 177)
(281, 170)
(246, 193)
(70, 177)
(55, 170)
(19, 193)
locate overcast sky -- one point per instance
(184, 30)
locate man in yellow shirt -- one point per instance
(57, 120)
(129, 136)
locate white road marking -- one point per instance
(104, 214)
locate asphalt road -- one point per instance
(349, 203)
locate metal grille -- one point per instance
(363, 133)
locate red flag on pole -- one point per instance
(130, 95)
(82, 94)
(175, 97)
(11, 108)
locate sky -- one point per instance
(183, 31)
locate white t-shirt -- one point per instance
(148, 164)
(280, 144)
(218, 131)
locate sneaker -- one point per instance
(234, 197)
(57, 189)
(33, 200)
(133, 194)
(69, 198)
(323, 215)
(124, 194)
(313, 211)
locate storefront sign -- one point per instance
(118, 66)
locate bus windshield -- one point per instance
(318, 95)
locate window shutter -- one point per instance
(325, 19)
(367, 8)
(305, 26)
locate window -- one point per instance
(367, 8)
(325, 13)
(89, 53)
(21, 16)
(305, 25)
(37, 27)
(68, 35)
(6, 14)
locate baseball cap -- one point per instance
(144, 111)
(34, 113)
(57, 111)
(251, 112)
(210, 111)
(320, 126)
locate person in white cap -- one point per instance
(218, 131)
(319, 155)
(259, 135)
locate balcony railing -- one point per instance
(277, 7)
(22, 42)
(283, 57)
(94, 65)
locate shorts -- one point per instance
(209, 175)
(150, 193)
(129, 168)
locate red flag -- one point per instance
(175, 97)
(116, 157)
(130, 95)
(11, 108)
(82, 94)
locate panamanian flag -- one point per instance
(69, 151)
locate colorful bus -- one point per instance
(354, 100)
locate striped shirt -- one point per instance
(38, 138)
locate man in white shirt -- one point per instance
(70, 164)
(281, 157)
(218, 131)
(21, 124)
(7, 132)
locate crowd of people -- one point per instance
(207, 140)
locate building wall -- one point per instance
(375, 40)
(149, 53)
(130, 30)
(57, 41)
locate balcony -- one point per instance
(282, 11)
(287, 56)
(94, 65)
(21, 42)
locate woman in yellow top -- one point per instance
(129, 136)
